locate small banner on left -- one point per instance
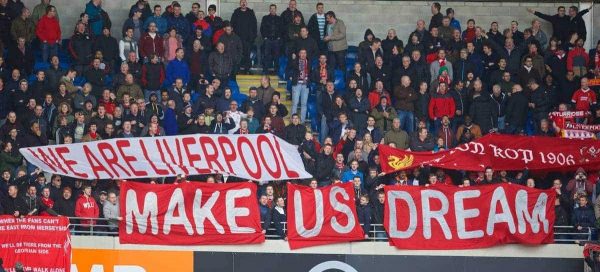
(39, 243)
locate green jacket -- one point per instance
(38, 11)
(8, 161)
(23, 28)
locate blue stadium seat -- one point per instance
(353, 49)
(311, 108)
(40, 66)
(339, 82)
(240, 98)
(79, 81)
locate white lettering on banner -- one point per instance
(343, 208)
(392, 197)
(232, 211)
(438, 215)
(201, 213)
(150, 211)
(260, 157)
(473, 147)
(499, 197)
(116, 268)
(462, 214)
(299, 218)
(176, 202)
(508, 153)
(537, 215)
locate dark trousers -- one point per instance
(246, 62)
(338, 59)
(272, 51)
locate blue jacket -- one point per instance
(96, 20)
(161, 24)
(170, 122)
(177, 69)
(181, 24)
(583, 216)
(348, 176)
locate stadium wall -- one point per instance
(106, 254)
(357, 14)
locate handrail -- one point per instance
(102, 227)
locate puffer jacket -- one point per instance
(484, 113)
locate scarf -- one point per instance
(339, 165)
(442, 62)
(597, 60)
(323, 71)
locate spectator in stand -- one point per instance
(177, 68)
(583, 216)
(483, 110)
(143, 6)
(299, 74)
(363, 211)
(179, 22)
(136, 23)
(96, 18)
(86, 207)
(128, 44)
(405, 99)
(23, 26)
(20, 56)
(578, 59)
(80, 48)
(233, 46)
(171, 41)
(48, 32)
(271, 32)
(421, 142)
(158, 20)
(336, 40)
(396, 136)
(265, 213)
(560, 23)
(216, 23)
(579, 186)
(279, 217)
(221, 64)
(317, 27)
(153, 76)
(40, 10)
(441, 104)
(516, 111)
(13, 204)
(584, 98)
(243, 22)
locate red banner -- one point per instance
(322, 216)
(501, 152)
(39, 243)
(447, 217)
(190, 213)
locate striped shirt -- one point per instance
(322, 23)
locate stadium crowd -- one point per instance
(169, 73)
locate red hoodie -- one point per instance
(86, 206)
(48, 29)
(440, 105)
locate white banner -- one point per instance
(259, 157)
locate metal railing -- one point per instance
(562, 234)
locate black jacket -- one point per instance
(484, 112)
(108, 46)
(271, 27)
(313, 27)
(65, 207)
(309, 44)
(80, 48)
(11, 205)
(324, 164)
(294, 134)
(543, 103)
(388, 44)
(560, 25)
(578, 24)
(516, 110)
(16, 59)
(244, 24)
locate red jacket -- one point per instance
(48, 29)
(440, 105)
(87, 207)
(150, 46)
(577, 52)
